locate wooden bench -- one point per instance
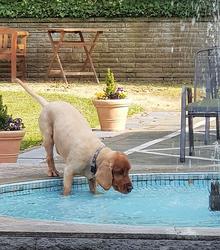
(13, 49)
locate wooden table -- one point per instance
(60, 38)
(13, 46)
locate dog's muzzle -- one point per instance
(129, 188)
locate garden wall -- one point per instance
(136, 49)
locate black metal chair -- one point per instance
(203, 100)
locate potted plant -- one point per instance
(112, 105)
(11, 134)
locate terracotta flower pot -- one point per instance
(10, 142)
(112, 113)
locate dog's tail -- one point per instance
(37, 97)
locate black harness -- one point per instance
(93, 162)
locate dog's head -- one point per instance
(114, 172)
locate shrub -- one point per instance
(106, 8)
(111, 91)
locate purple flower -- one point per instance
(13, 124)
(119, 89)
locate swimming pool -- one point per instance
(157, 200)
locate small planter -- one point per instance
(10, 142)
(112, 113)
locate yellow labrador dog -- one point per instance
(84, 154)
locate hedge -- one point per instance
(106, 8)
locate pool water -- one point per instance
(160, 200)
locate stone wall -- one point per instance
(140, 49)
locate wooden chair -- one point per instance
(13, 49)
(203, 100)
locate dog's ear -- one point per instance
(104, 175)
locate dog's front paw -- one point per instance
(66, 192)
(97, 193)
(53, 173)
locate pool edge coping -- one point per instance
(29, 228)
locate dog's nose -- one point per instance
(129, 188)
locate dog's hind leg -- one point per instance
(48, 144)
